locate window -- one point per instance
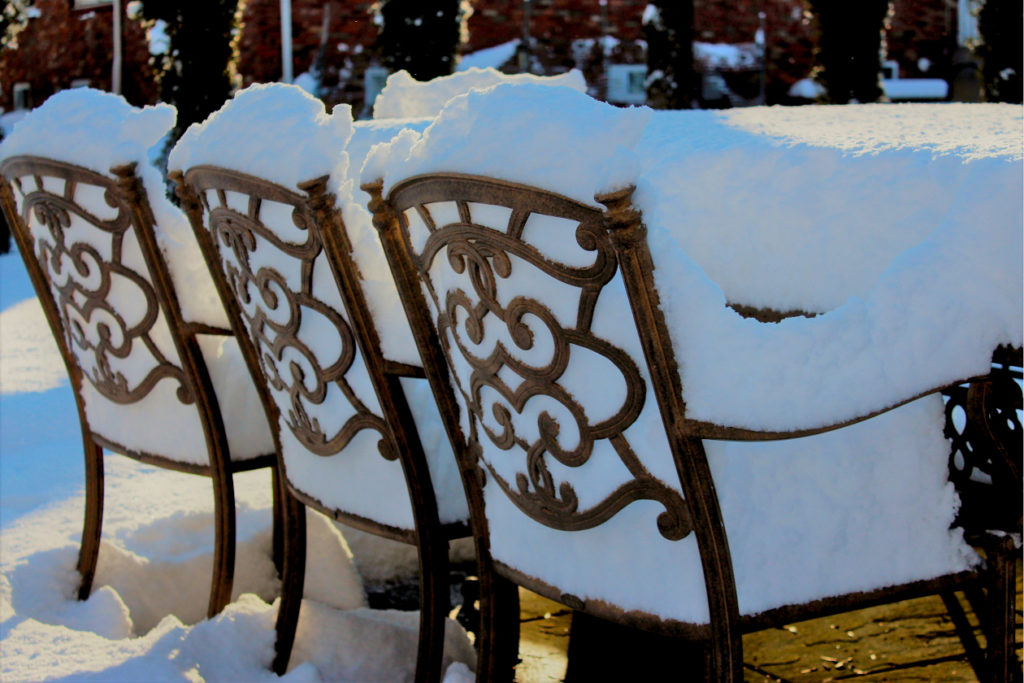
(22, 96)
(627, 83)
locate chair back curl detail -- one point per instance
(506, 348)
(108, 309)
(275, 306)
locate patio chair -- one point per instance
(587, 482)
(342, 420)
(149, 383)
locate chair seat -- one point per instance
(861, 508)
(178, 434)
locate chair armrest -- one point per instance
(710, 430)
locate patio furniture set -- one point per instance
(512, 356)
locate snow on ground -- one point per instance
(145, 618)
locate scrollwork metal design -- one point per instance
(274, 309)
(983, 424)
(470, 317)
(93, 290)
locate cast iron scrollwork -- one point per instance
(274, 308)
(983, 424)
(468, 321)
(97, 294)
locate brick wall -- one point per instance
(349, 48)
(61, 45)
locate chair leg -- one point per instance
(223, 542)
(498, 639)
(1001, 661)
(89, 551)
(293, 578)
(279, 519)
(435, 603)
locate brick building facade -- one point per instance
(62, 46)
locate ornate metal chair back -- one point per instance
(513, 278)
(539, 324)
(297, 334)
(88, 255)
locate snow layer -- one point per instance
(556, 138)
(900, 223)
(404, 97)
(396, 340)
(275, 131)
(30, 361)
(145, 619)
(870, 213)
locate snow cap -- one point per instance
(90, 128)
(557, 139)
(274, 131)
(405, 97)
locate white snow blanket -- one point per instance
(405, 97)
(900, 224)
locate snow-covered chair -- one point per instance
(154, 369)
(358, 433)
(542, 332)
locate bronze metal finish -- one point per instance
(74, 276)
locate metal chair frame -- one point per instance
(124, 193)
(315, 213)
(618, 238)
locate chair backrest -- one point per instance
(295, 324)
(512, 276)
(88, 242)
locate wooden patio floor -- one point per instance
(910, 641)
